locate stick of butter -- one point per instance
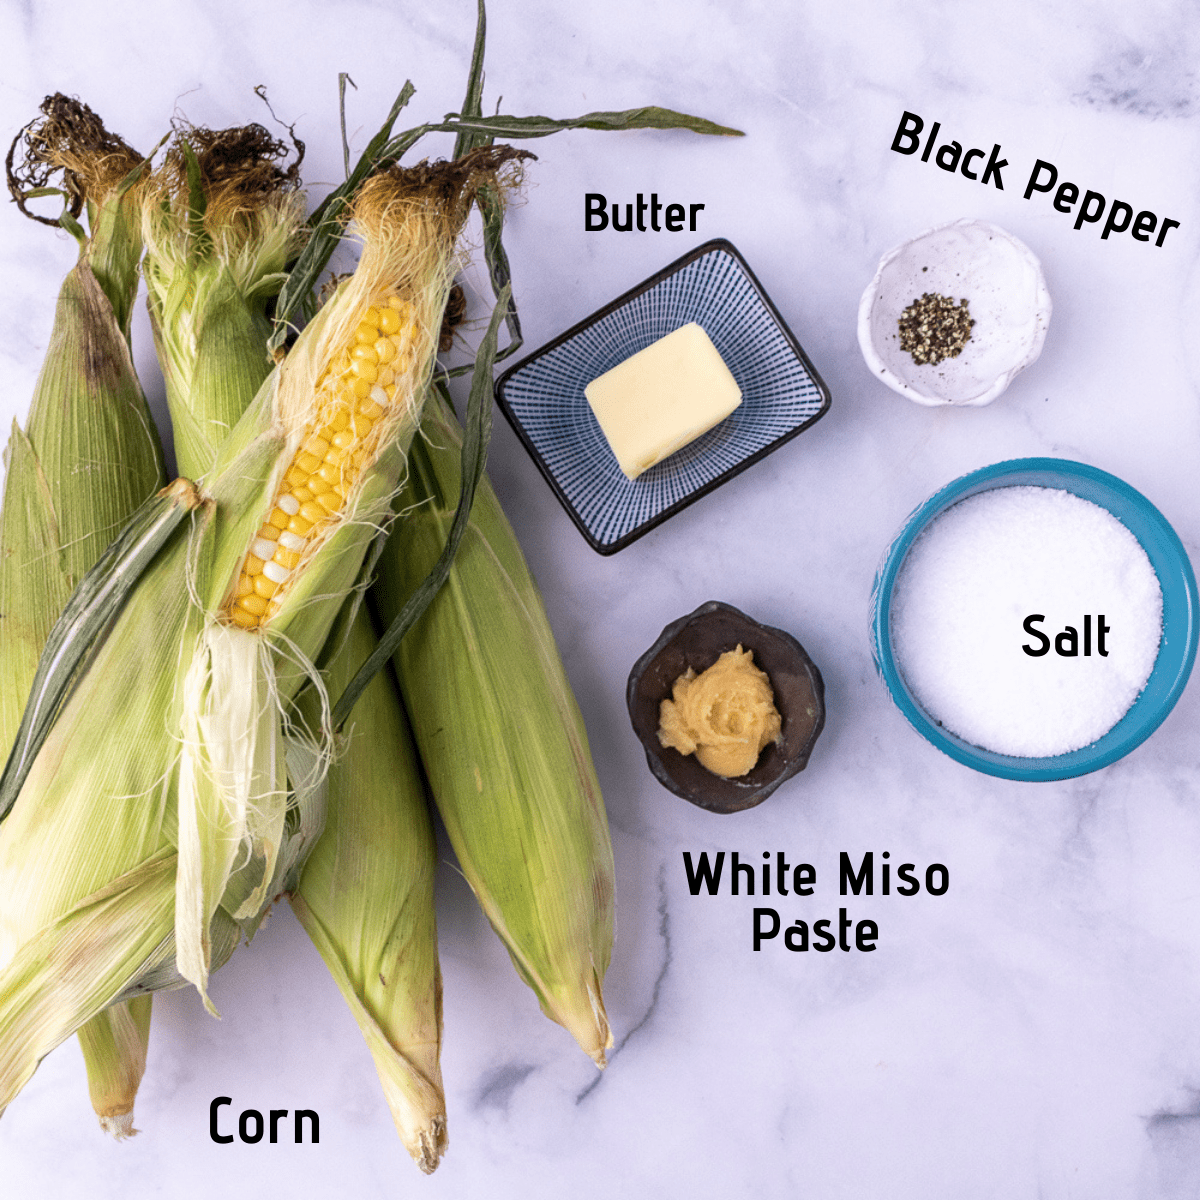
(663, 397)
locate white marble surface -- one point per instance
(1033, 1033)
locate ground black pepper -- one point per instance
(934, 328)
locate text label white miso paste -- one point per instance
(972, 579)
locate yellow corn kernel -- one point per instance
(385, 349)
(340, 419)
(360, 387)
(365, 370)
(310, 510)
(255, 604)
(330, 501)
(278, 518)
(304, 494)
(331, 473)
(244, 584)
(269, 532)
(364, 353)
(342, 441)
(299, 526)
(308, 462)
(265, 587)
(243, 618)
(317, 485)
(295, 475)
(253, 565)
(316, 446)
(387, 376)
(336, 454)
(369, 409)
(366, 333)
(289, 558)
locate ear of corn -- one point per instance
(502, 741)
(89, 457)
(365, 897)
(366, 892)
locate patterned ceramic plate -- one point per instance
(542, 395)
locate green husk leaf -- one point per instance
(114, 1045)
(91, 608)
(365, 897)
(472, 105)
(80, 964)
(502, 740)
(223, 216)
(108, 948)
(297, 298)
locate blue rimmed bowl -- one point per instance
(1176, 653)
(543, 399)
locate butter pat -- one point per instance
(663, 397)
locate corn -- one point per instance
(366, 893)
(114, 1045)
(89, 456)
(195, 768)
(365, 898)
(502, 741)
(320, 463)
(211, 268)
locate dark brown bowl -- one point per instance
(697, 641)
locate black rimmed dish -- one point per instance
(697, 641)
(543, 398)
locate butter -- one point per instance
(663, 397)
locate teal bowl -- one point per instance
(1176, 653)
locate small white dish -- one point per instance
(1002, 282)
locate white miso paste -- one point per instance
(983, 569)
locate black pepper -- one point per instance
(934, 328)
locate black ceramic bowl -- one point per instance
(697, 641)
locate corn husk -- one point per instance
(89, 454)
(502, 740)
(88, 458)
(222, 217)
(192, 763)
(365, 897)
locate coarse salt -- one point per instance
(978, 572)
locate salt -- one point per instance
(966, 588)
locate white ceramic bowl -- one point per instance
(1000, 278)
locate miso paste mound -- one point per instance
(726, 716)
